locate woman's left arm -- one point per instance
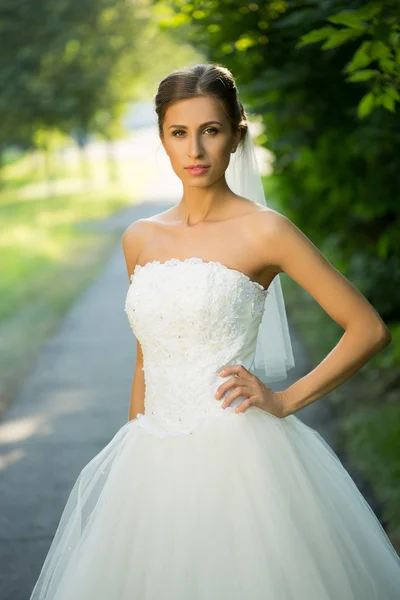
(365, 332)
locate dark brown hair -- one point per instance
(202, 80)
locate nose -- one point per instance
(195, 149)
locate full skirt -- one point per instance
(246, 506)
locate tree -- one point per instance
(62, 62)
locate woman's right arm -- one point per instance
(138, 387)
(133, 240)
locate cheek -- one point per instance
(175, 152)
(220, 149)
(177, 159)
(223, 153)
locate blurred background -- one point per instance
(80, 159)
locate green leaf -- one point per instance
(339, 37)
(316, 35)
(378, 50)
(363, 75)
(393, 93)
(370, 10)
(389, 103)
(244, 43)
(366, 105)
(175, 21)
(387, 65)
(199, 14)
(349, 19)
(360, 58)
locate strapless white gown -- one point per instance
(190, 501)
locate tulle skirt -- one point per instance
(248, 506)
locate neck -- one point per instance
(203, 203)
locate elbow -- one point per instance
(376, 335)
(384, 336)
(373, 337)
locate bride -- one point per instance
(214, 489)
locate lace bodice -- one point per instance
(191, 318)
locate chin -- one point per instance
(198, 184)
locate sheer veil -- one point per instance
(274, 354)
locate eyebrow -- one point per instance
(202, 125)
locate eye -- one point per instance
(177, 131)
(213, 129)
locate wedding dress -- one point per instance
(190, 501)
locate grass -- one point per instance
(39, 238)
(49, 251)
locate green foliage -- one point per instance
(63, 62)
(381, 23)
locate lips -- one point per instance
(199, 166)
(197, 169)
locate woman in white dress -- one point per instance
(214, 489)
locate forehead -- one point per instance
(195, 111)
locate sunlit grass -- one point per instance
(39, 236)
(41, 222)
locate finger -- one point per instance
(239, 370)
(241, 390)
(227, 385)
(243, 406)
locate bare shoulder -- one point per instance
(265, 224)
(138, 233)
(135, 236)
(286, 246)
(135, 231)
(270, 225)
(269, 220)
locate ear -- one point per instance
(238, 136)
(236, 139)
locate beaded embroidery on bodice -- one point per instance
(191, 318)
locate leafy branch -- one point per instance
(376, 60)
